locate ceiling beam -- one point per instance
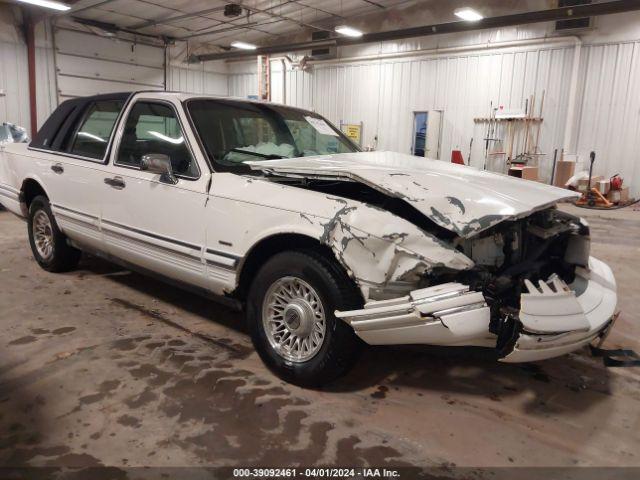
(326, 12)
(604, 8)
(375, 4)
(232, 26)
(168, 20)
(89, 7)
(282, 17)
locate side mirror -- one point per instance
(160, 164)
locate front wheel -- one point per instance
(290, 315)
(48, 244)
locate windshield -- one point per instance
(235, 132)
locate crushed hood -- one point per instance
(461, 199)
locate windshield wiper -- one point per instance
(269, 156)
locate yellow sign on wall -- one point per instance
(353, 131)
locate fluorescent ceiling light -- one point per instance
(244, 45)
(348, 31)
(48, 4)
(468, 14)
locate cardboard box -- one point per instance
(524, 172)
(564, 171)
(619, 196)
(603, 186)
(584, 184)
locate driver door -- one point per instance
(152, 224)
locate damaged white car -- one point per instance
(326, 246)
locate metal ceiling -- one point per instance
(204, 20)
(595, 9)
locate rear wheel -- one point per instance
(290, 314)
(48, 244)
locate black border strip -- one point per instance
(221, 266)
(195, 248)
(153, 245)
(153, 235)
(169, 250)
(223, 254)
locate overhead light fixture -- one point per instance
(63, 7)
(244, 45)
(468, 14)
(348, 31)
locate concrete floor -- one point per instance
(106, 367)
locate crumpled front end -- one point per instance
(440, 315)
(554, 318)
(557, 319)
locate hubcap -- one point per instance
(43, 234)
(294, 320)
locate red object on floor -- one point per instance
(616, 182)
(456, 157)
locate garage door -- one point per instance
(88, 64)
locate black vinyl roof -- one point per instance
(66, 116)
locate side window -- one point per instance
(92, 137)
(153, 128)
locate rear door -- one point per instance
(155, 225)
(72, 168)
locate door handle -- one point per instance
(57, 168)
(115, 182)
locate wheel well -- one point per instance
(30, 190)
(269, 247)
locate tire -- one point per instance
(339, 346)
(56, 255)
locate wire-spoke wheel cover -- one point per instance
(43, 234)
(294, 319)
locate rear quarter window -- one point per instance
(92, 138)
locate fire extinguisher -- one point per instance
(616, 182)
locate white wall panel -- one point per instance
(243, 84)
(89, 64)
(14, 76)
(609, 118)
(14, 83)
(197, 81)
(46, 95)
(384, 94)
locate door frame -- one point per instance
(413, 127)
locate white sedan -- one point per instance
(326, 247)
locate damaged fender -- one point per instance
(385, 253)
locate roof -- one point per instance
(181, 96)
(64, 117)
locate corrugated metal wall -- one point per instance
(609, 110)
(196, 80)
(14, 83)
(383, 94)
(88, 64)
(243, 84)
(46, 82)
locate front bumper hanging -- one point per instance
(556, 318)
